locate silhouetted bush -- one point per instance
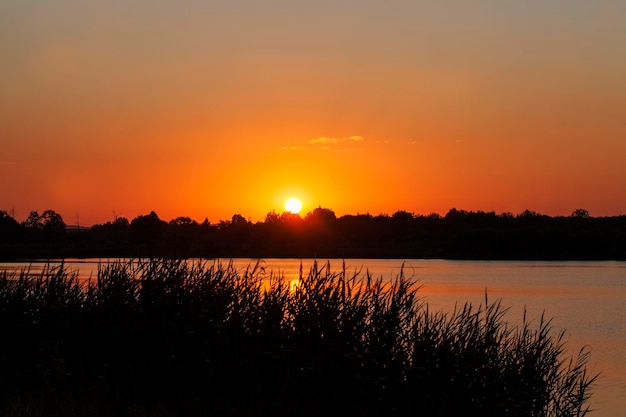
(170, 338)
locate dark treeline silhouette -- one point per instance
(321, 234)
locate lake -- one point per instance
(588, 299)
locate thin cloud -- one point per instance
(292, 148)
(324, 140)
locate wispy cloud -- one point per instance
(326, 143)
(324, 140)
(332, 141)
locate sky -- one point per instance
(213, 108)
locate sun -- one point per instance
(293, 205)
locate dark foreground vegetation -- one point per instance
(175, 338)
(320, 234)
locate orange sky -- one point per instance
(208, 109)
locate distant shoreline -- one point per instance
(459, 235)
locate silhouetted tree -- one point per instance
(182, 220)
(150, 221)
(290, 218)
(7, 222)
(453, 214)
(272, 217)
(121, 221)
(528, 214)
(33, 221)
(9, 227)
(148, 230)
(238, 220)
(52, 222)
(580, 214)
(402, 215)
(321, 215)
(320, 231)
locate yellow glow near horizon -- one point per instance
(293, 205)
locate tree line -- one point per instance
(459, 234)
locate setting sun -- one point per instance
(293, 205)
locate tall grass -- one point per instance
(170, 337)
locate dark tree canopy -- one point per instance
(459, 234)
(33, 221)
(52, 222)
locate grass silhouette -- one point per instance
(172, 337)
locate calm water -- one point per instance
(586, 298)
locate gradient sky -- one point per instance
(211, 108)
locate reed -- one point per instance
(171, 337)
